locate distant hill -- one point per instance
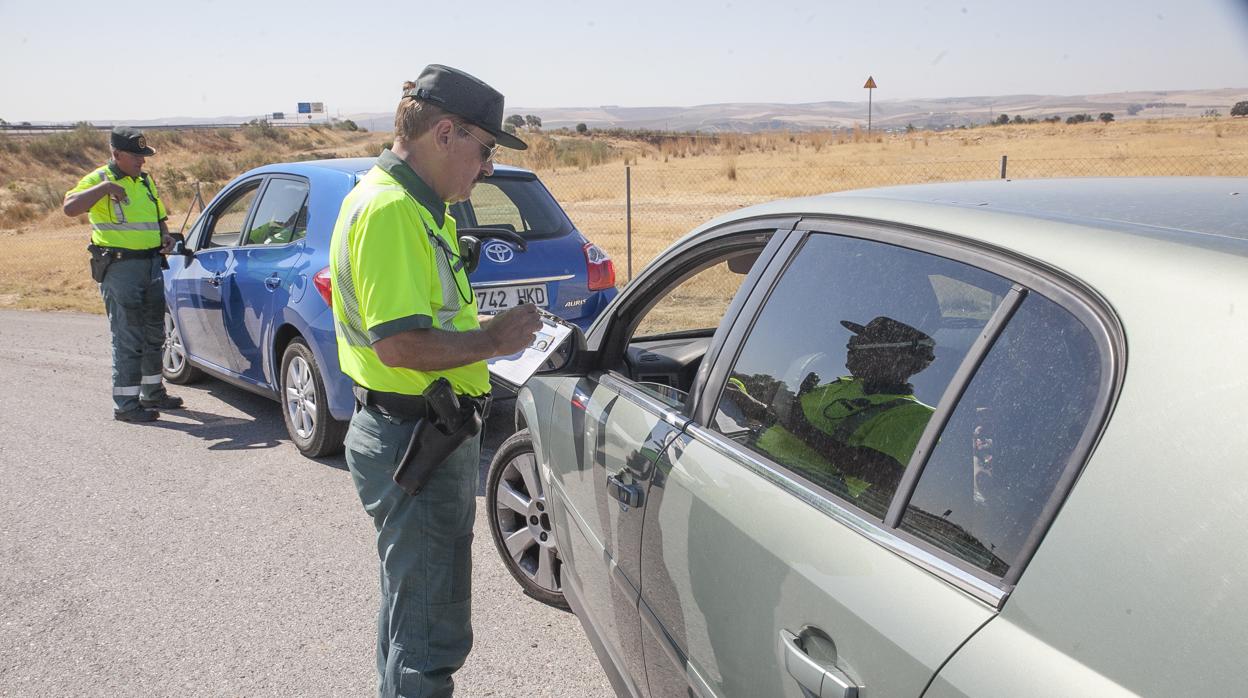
(752, 117)
(949, 112)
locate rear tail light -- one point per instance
(601, 269)
(324, 286)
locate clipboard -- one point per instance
(515, 370)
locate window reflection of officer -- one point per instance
(406, 316)
(862, 427)
(128, 233)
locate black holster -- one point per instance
(447, 424)
(100, 261)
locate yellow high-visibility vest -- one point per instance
(134, 222)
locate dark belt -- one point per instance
(120, 253)
(409, 406)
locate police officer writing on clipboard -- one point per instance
(128, 233)
(406, 321)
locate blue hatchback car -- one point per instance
(249, 298)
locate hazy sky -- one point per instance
(65, 60)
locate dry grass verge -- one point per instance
(677, 183)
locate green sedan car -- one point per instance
(969, 439)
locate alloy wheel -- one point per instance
(300, 397)
(172, 353)
(524, 523)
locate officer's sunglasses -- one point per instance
(487, 151)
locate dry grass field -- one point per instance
(43, 264)
(676, 183)
(689, 181)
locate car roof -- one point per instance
(1196, 211)
(357, 166)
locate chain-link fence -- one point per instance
(636, 212)
(633, 212)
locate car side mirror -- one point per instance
(179, 245)
(572, 358)
(470, 252)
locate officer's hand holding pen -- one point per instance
(512, 330)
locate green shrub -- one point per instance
(42, 195)
(582, 154)
(253, 157)
(82, 147)
(210, 168)
(18, 213)
(261, 130)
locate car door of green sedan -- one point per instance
(766, 569)
(600, 468)
(609, 427)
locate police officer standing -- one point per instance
(128, 233)
(406, 317)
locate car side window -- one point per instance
(850, 353)
(281, 217)
(673, 333)
(996, 467)
(226, 227)
(696, 304)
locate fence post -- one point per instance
(1003, 159)
(189, 207)
(628, 216)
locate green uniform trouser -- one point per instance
(134, 297)
(424, 626)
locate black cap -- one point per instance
(887, 333)
(463, 95)
(131, 140)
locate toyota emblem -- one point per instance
(499, 253)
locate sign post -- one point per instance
(869, 87)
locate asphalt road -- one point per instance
(202, 555)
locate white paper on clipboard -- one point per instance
(518, 368)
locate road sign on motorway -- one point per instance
(305, 107)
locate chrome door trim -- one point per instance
(516, 282)
(673, 416)
(829, 506)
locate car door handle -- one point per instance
(629, 495)
(272, 282)
(818, 679)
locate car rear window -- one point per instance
(515, 204)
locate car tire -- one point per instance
(520, 521)
(174, 365)
(305, 404)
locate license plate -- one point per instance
(492, 300)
